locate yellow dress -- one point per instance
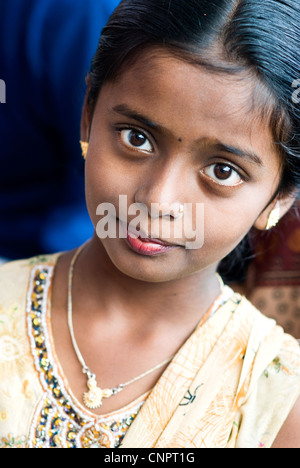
(231, 385)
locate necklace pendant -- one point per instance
(93, 398)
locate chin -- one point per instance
(146, 273)
(151, 270)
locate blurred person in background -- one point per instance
(46, 48)
(269, 273)
(274, 274)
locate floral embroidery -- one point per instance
(13, 442)
(57, 421)
(12, 343)
(275, 367)
(38, 260)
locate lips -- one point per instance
(147, 246)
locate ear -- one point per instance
(86, 115)
(285, 204)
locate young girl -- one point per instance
(133, 340)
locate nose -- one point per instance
(161, 192)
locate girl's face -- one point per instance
(167, 132)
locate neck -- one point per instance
(123, 297)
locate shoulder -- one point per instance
(13, 283)
(14, 279)
(277, 353)
(289, 435)
(274, 386)
(20, 389)
(288, 362)
(22, 267)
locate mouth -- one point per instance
(148, 246)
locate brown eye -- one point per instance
(223, 174)
(135, 139)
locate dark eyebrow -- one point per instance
(126, 111)
(252, 157)
(123, 109)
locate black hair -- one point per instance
(225, 36)
(261, 37)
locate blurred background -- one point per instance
(272, 281)
(46, 47)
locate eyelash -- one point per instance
(217, 181)
(137, 131)
(224, 164)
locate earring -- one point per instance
(84, 148)
(274, 217)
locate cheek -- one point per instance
(223, 240)
(226, 225)
(98, 185)
(105, 181)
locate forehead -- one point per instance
(192, 100)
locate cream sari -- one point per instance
(231, 385)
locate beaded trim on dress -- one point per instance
(58, 420)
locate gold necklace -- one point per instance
(94, 396)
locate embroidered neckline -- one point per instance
(59, 421)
